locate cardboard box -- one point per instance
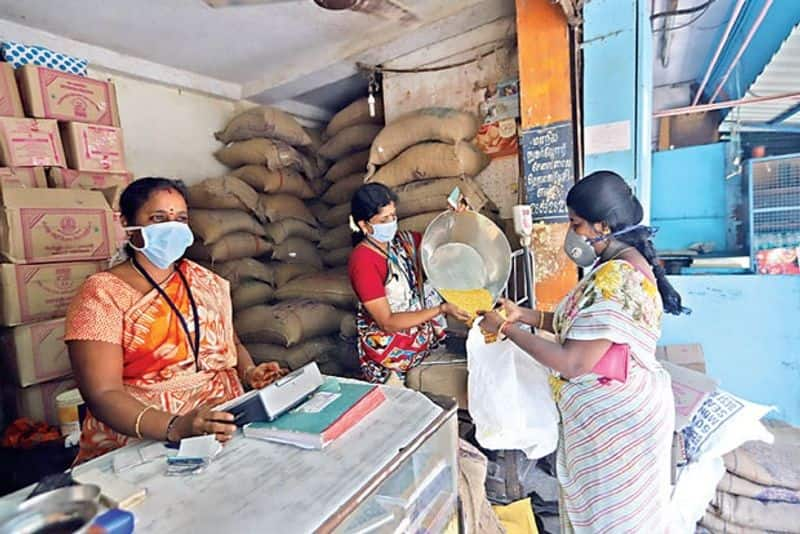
(70, 179)
(689, 356)
(690, 389)
(10, 103)
(36, 402)
(36, 353)
(52, 94)
(93, 147)
(55, 225)
(120, 236)
(30, 143)
(31, 293)
(22, 177)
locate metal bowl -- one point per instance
(65, 517)
(67, 509)
(466, 250)
(56, 497)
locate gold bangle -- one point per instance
(541, 321)
(139, 417)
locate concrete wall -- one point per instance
(748, 328)
(169, 131)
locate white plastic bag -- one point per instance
(509, 398)
(696, 486)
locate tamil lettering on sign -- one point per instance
(548, 166)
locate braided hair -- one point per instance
(605, 197)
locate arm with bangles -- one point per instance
(252, 375)
(391, 322)
(98, 368)
(572, 359)
(538, 319)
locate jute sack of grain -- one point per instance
(239, 271)
(342, 191)
(431, 195)
(320, 348)
(442, 373)
(315, 134)
(270, 153)
(280, 231)
(336, 216)
(251, 293)
(286, 272)
(431, 160)
(355, 113)
(317, 208)
(338, 257)
(334, 289)
(226, 192)
(347, 327)
(418, 223)
(338, 237)
(285, 180)
(319, 186)
(279, 207)
(351, 139)
(233, 246)
(211, 225)
(444, 125)
(297, 250)
(287, 323)
(264, 121)
(352, 164)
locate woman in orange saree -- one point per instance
(151, 340)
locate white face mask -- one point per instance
(164, 243)
(384, 232)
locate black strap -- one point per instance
(196, 343)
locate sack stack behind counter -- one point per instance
(274, 170)
(314, 298)
(51, 240)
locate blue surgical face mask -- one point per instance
(384, 232)
(164, 243)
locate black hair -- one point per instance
(138, 193)
(367, 201)
(605, 197)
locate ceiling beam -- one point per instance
(301, 110)
(787, 114)
(109, 60)
(337, 63)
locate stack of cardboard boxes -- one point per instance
(62, 168)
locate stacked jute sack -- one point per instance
(760, 490)
(298, 319)
(348, 138)
(423, 155)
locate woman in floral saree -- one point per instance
(615, 400)
(151, 340)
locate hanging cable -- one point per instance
(686, 11)
(687, 24)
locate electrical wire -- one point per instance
(687, 24)
(686, 11)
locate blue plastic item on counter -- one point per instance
(115, 521)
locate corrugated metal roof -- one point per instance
(780, 76)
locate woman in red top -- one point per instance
(398, 320)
